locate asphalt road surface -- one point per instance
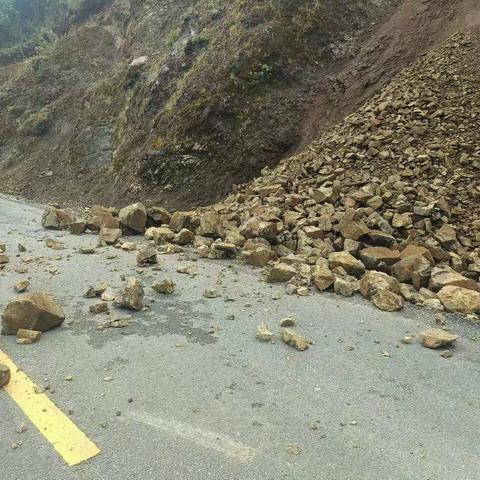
(186, 391)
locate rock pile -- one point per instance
(386, 204)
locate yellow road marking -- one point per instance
(70, 442)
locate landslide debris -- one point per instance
(386, 203)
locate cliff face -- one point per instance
(173, 99)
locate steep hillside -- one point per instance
(216, 93)
(176, 101)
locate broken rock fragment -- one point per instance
(21, 286)
(387, 300)
(294, 339)
(132, 295)
(280, 272)
(5, 375)
(348, 262)
(147, 255)
(436, 338)
(166, 287)
(100, 307)
(27, 337)
(109, 236)
(373, 281)
(263, 333)
(37, 311)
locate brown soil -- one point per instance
(414, 28)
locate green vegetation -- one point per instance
(29, 26)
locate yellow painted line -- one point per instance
(67, 439)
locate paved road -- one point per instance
(194, 396)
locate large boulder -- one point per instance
(101, 217)
(160, 235)
(280, 272)
(322, 277)
(446, 276)
(109, 236)
(134, 217)
(259, 257)
(387, 301)
(348, 262)
(404, 270)
(55, 218)
(158, 216)
(36, 311)
(373, 256)
(459, 300)
(210, 225)
(374, 281)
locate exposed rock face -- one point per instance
(134, 217)
(459, 300)
(36, 311)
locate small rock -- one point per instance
(21, 286)
(211, 293)
(5, 375)
(287, 322)
(263, 333)
(387, 301)
(294, 339)
(27, 337)
(100, 307)
(166, 287)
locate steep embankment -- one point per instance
(218, 91)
